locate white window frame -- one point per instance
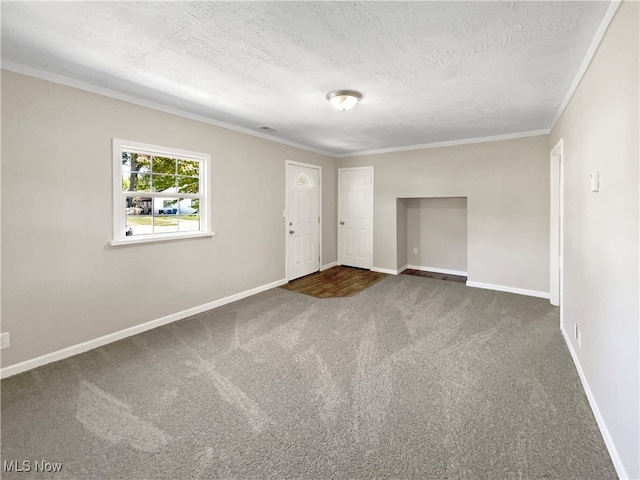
(119, 197)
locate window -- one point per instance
(159, 193)
(303, 180)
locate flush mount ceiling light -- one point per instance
(344, 99)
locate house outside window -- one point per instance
(159, 193)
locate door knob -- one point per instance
(291, 232)
(341, 223)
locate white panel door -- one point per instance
(355, 216)
(303, 221)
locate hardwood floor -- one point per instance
(337, 281)
(438, 276)
(344, 281)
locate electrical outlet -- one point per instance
(4, 340)
(415, 251)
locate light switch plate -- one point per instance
(595, 181)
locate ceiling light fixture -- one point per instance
(344, 99)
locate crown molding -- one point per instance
(89, 87)
(452, 143)
(602, 29)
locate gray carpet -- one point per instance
(411, 378)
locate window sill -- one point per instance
(164, 238)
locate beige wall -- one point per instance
(437, 227)
(600, 131)
(507, 187)
(62, 283)
(402, 231)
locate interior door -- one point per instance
(303, 220)
(355, 216)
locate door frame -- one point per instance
(373, 207)
(285, 213)
(556, 230)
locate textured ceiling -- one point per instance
(429, 71)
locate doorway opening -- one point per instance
(556, 242)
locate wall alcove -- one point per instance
(432, 234)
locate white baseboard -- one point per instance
(384, 270)
(502, 288)
(400, 270)
(128, 332)
(606, 436)
(437, 270)
(328, 266)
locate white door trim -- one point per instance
(556, 230)
(373, 207)
(284, 211)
